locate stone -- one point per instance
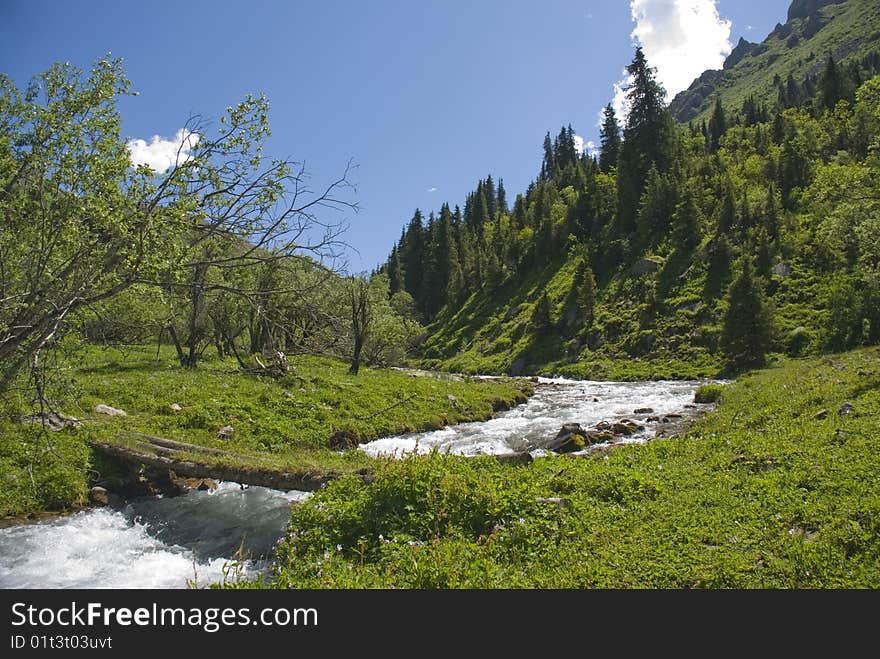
(202, 484)
(344, 440)
(54, 421)
(644, 410)
(782, 270)
(225, 432)
(570, 438)
(99, 496)
(175, 407)
(621, 428)
(109, 411)
(821, 414)
(646, 266)
(599, 436)
(653, 419)
(846, 409)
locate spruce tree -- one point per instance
(609, 139)
(727, 214)
(541, 321)
(395, 272)
(413, 257)
(491, 197)
(746, 334)
(686, 222)
(648, 139)
(831, 88)
(502, 198)
(717, 126)
(548, 167)
(585, 292)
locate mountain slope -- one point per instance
(693, 251)
(849, 29)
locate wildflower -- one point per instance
(338, 547)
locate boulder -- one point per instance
(54, 421)
(846, 409)
(225, 432)
(175, 407)
(646, 266)
(644, 410)
(599, 436)
(570, 438)
(109, 411)
(99, 496)
(782, 270)
(625, 428)
(821, 414)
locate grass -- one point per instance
(285, 424)
(851, 31)
(778, 488)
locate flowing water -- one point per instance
(193, 538)
(555, 403)
(150, 543)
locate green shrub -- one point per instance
(708, 393)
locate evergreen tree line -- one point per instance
(725, 195)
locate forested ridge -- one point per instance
(676, 250)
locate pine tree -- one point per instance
(548, 167)
(656, 205)
(648, 139)
(746, 334)
(491, 197)
(585, 292)
(413, 257)
(727, 214)
(541, 321)
(686, 222)
(395, 271)
(717, 126)
(609, 139)
(502, 198)
(831, 87)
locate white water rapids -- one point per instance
(150, 543)
(172, 542)
(556, 402)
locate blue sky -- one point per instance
(425, 96)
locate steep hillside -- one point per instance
(848, 29)
(680, 251)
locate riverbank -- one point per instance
(300, 424)
(775, 489)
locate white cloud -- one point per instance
(432, 189)
(592, 149)
(160, 154)
(579, 144)
(681, 39)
